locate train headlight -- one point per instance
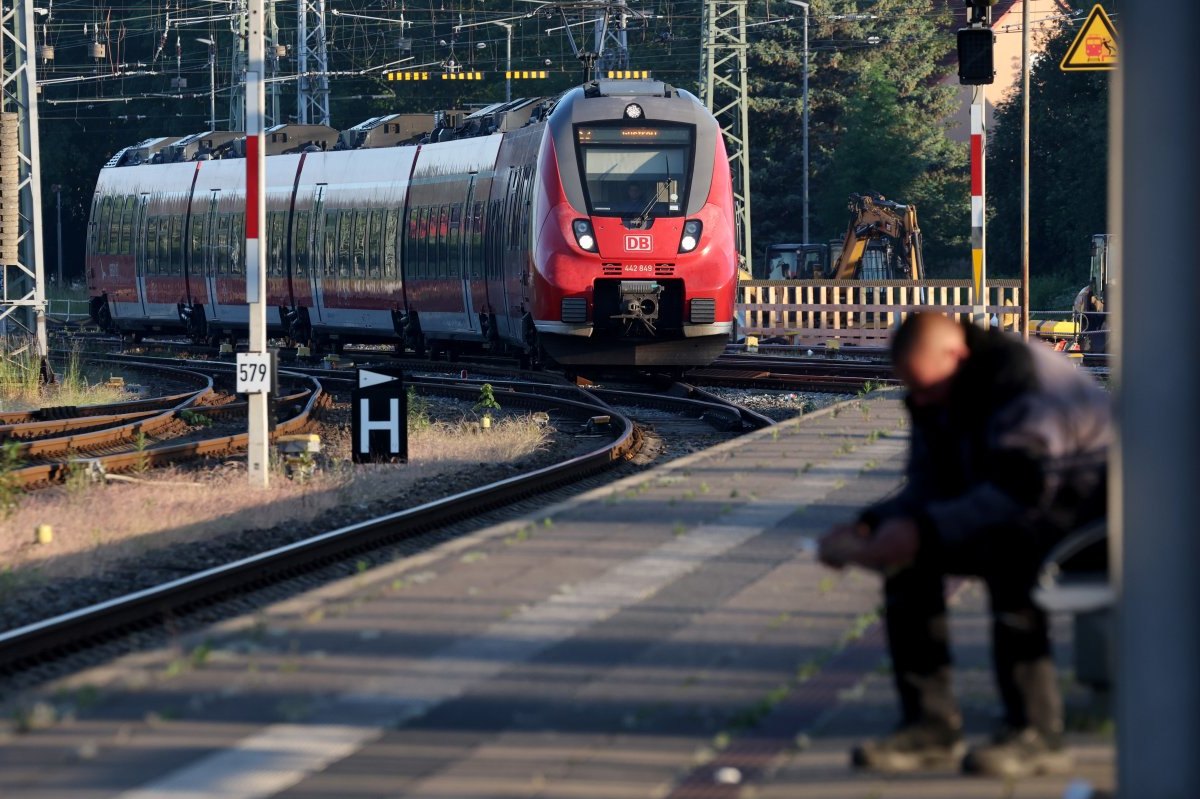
(691, 235)
(585, 237)
(633, 111)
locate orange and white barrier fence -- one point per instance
(860, 311)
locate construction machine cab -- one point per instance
(794, 262)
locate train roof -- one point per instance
(389, 130)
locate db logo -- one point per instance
(641, 243)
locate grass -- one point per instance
(98, 524)
(21, 386)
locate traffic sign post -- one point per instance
(379, 418)
(1095, 46)
(256, 254)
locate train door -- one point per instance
(460, 257)
(514, 257)
(143, 261)
(321, 257)
(160, 279)
(223, 273)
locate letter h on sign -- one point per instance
(379, 418)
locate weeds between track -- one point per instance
(21, 385)
(97, 525)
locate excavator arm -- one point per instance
(871, 218)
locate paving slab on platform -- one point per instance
(623, 643)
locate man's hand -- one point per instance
(893, 547)
(840, 545)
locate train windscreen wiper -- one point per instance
(644, 216)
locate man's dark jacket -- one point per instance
(1022, 445)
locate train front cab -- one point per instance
(635, 262)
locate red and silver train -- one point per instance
(596, 227)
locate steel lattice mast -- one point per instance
(22, 283)
(724, 90)
(312, 63)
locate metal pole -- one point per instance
(1158, 392)
(508, 29)
(978, 207)
(805, 238)
(58, 207)
(1025, 134)
(256, 255)
(212, 87)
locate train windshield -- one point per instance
(635, 171)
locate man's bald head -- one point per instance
(927, 352)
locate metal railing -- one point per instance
(859, 311)
(67, 310)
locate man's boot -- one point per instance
(930, 738)
(1032, 741)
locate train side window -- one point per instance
(345, 250)
(422, 254)
(222, 244)
(197, 244)
(102, 225)
(455, 242)
(391, 226)
(126, 244)
(300, 242)
(360, 243)
(476, 237)
(375, 243)
(526, 210)
(276, 233)
(176, 243)
(330, 260)
(163, 234)
(491, 249)
(237, 265)
(93, 226)
(444, 242)
(150, 249)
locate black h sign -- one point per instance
(379, 413)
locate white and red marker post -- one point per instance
(256, 253)
(978, 208)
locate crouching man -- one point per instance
(1008, 455)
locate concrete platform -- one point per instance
(642, 640)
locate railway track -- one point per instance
(793, 373)
(134, 435)
(612, 414)
(38, 644)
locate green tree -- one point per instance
(879, 114)
(1068, 174)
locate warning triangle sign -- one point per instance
(1095, 48)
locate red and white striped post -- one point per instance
(978, 237)
(256, 253)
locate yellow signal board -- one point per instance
(526, 74)
(407, 76)
(629, 74)
(1095, 47)
(462, 76)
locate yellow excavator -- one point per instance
(882, 242)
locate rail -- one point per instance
(861, 312)
(63, 635)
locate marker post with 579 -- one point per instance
(256, 377)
